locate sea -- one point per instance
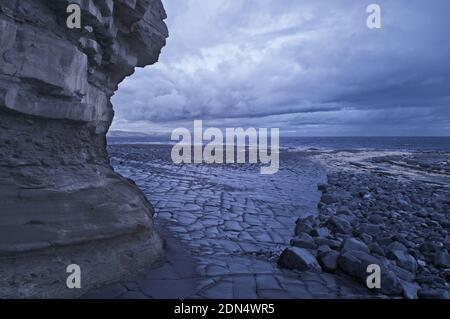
(407, 144)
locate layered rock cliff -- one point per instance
(60, 201)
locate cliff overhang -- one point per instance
(61, 201)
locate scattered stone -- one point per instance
(354, 263)
(352, 244)
(304, 241)
(401, 225)
(323, 249)
(328, 199)
(429, 279)
(430, 293)
(384, 241)
(376, 249)
(376, 219)
(302, 228)
(421, 263)
(343, 211)
(406, 261)
(342, 195)
(442, 260)
(339, 225)
(334, 244)
(409, 289)
(299, 259)
(328, 260)
(320, 232)
(397, 246)
(367, 239)
(371, 229)
(429, 248)
(390, 284)
(365, 195)
(402, 273)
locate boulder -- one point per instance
(370, 229)
(355, 263)
(429, 248)
(442, 260)
(433, 293)
(376, 249)
(402, 273)
(323, 248)
(320, 232)
(332, 243)
(367, 239)
(429, 279)
(352, 244)
(339, 225)
(328, 199)
(376, 219)
(298, 259)
(390, 283)
(304, 241)
(395, 246)
(328, 260)
(410, 289)
(302, 227)
(405, 260)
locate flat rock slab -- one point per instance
(229, 223)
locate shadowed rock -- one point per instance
(61, 201)
(298, 259)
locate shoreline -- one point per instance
(215, 211)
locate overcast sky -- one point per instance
(310, 68)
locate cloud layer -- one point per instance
(308, 67)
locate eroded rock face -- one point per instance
(61, 202)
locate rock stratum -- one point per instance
(61, 202)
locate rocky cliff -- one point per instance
(61, 202)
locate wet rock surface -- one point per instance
(233, 223)
(393, 217)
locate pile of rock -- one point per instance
(365, 219)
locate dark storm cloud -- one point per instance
(309, 67)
